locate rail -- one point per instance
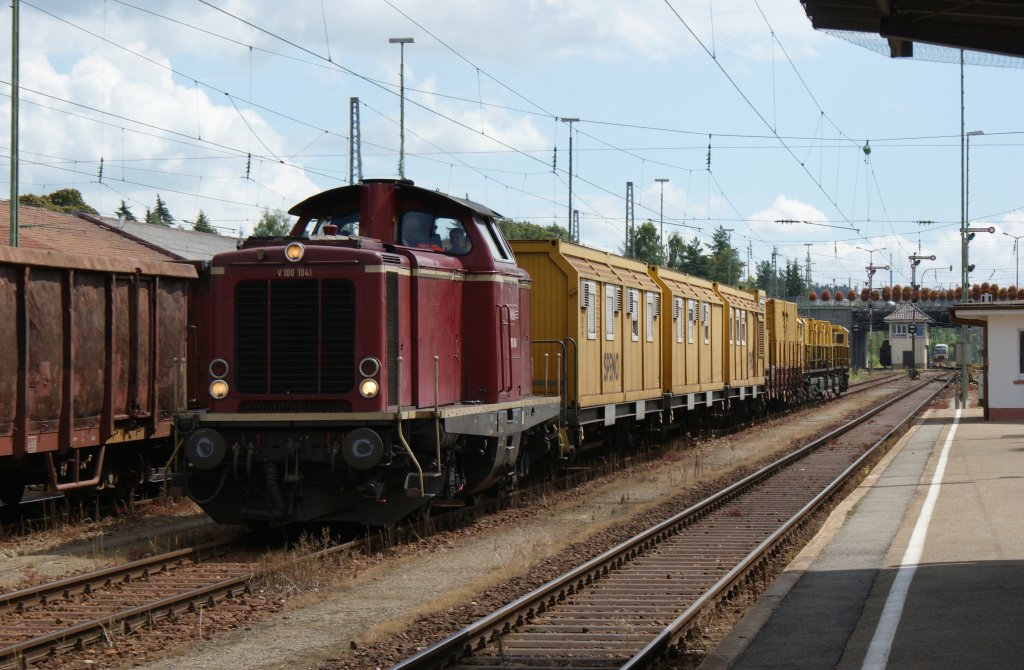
(489, 630)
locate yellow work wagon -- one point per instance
(603, 314)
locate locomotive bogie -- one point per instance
(373, 469)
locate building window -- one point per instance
(900, 329)
(1020, 346)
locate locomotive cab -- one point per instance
(367, 364)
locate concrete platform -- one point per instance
(922, 567)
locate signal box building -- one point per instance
(1002, 383)
(908, 331)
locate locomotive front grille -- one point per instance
(295, 337)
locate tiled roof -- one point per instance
(906, 311)
(188, 244)
(52, 231)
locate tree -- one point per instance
(272, 224)
(159, 215)
(724, 264)
(794, 279)
(647, 245)
(764, 277)
(125, 212)
(202, 224)
(66, 200)
(524, 230)
(694, 260)
(676, 252)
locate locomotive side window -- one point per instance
(420, 230)
(495, 242)
(454, 239)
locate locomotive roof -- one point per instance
(326, 199)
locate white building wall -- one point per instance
(902, 343)
(1005, 383)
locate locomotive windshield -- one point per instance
(343, 224)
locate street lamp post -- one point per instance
(871, 289)
(574, 235)
(401, 42)
(965, 177)
(1016, 255)
(915, 260)
(661, 214)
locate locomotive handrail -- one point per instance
(564, 373)
(401, 437)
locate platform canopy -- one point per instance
(991, 26)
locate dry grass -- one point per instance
(303, 567)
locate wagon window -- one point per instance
(743, 326)
(634, 314)
(611, 298)
(733, 324)
(588, 296)
(649, 316)
(706, 321)
(678, 315)
(691, 319)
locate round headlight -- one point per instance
(218, 368)
(368, 388)
(294, 252)
(218, 389)
(369, 367)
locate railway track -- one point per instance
(637, 602)
(71, 614)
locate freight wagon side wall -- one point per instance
(688, 355)
(92, 349)
(552, 315)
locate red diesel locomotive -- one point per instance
(374, 360)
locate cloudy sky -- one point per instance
(234, 106)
